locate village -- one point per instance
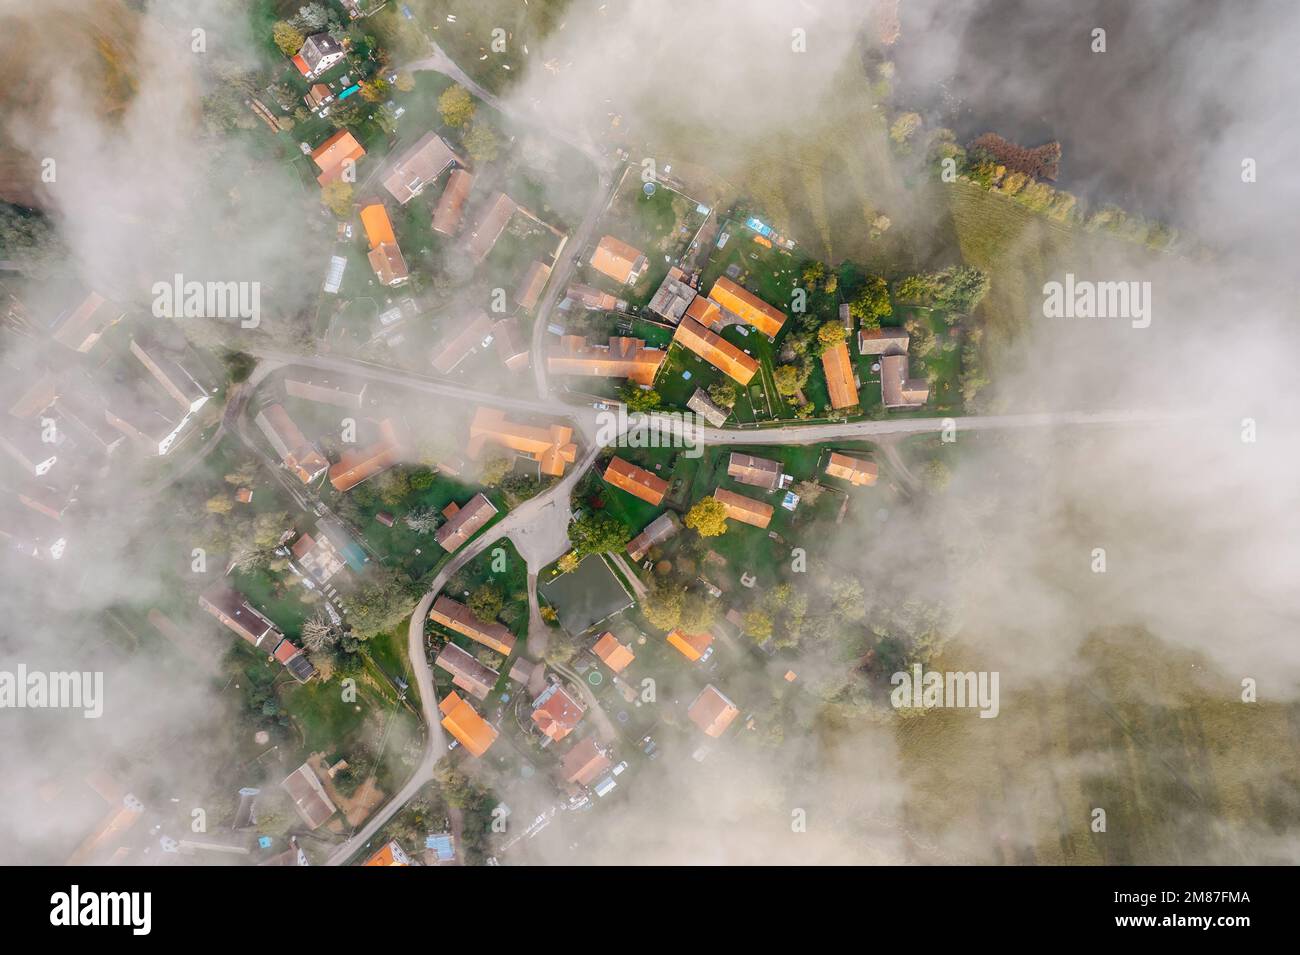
(581, 606)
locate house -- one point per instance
(25, 443)
(491, 224)
(636, 481)
(657, 531)
(673, 297)
(556, 712)
(883, 341)
(689, 645)
(297, 454)
(468, 673)
(146, 417)
(318, 556)
(319, 53)
(454, 615)
(747, 307)
(551, 446)
(356, 466)
(83, 408)
(712, 712)
(530, 288)
(390, 854)
(418, 166)
(618, 260)
(326, 392)
(124, 811)
(856, 471)
(318, 96)
(613, 654)
(716, 350)
(622, 358)
(585, 762)
(464, 522)
(168, 371)
(80, 328)
(512, 348)
(594, 300)
(522, 670)
(450, 210)
(897, 390)
(313, 804)
(336, 158)
(840, 380)
(456, 346)
(707, 408)
(744, 509)
(291, 657)
(385, 256)
(233, 609)
(461, 720)
(754, 471)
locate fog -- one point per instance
(1199, 527)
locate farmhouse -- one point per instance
(618, 260)
(745, 509)
(622, 358)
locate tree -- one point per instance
(708, 517)
(494, 469)
(319, 632)
(486, 600)
(374, 90)
(904, 126)
(456, 106)
(337, 197)
(219, 504)
(639, 399)
(813, 273)
(482, 144)
(724, 394)
(830, 335)
(758, 624)
(662, 606)
(872, 303)
(287, 37)
(421, 519)
(598, 533)
(569, 562)
(961, 288)
(790, 377)
(697, 611)
(405, 81)
(312, 18)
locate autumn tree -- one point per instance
(287, 37)
(639, 399)
(494, 469)
(597, 534)
(337, 197)
(456, 106)
(486, 600)
(662, 606)
(872, 303)
(830, 335)
(482, 143)
(708, 517)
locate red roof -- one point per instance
(299, 62)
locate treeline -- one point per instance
(1040, 162)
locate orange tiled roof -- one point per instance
(839, 376)
(744, 509)
(617, 259)
(854, 470)
(712, 712)
(622, 358)
(747, 306)
(615, 655)
(299, 62)
(356, 466)
(584, 762)
(379, 228)
(331, 155)
(556, 713)
(456, 616)
(636, 481)
(390, 854)
(552, 446)
(690, 645)
(451, 204)
(463, 722)
(716, 350)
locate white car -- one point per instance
(619, 768)
(453, 744)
